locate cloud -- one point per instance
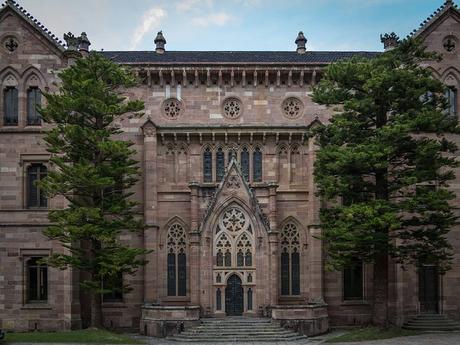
(185, 5)
(150, 19)
(218, 19)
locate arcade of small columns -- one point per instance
(311, 286)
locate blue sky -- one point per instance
(232, 24)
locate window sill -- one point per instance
(356, 302)
(291, 299)
(36, 306)
(176, 299)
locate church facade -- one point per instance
(226, 190)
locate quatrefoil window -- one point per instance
(450, 44)
(11, 44)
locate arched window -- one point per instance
(249, 299)
(451, 96)
(220, 258)
(290, 260)
(228, 258)
(218, 299)
(283, 165)
(207, 165)
(257, 165)
(35, 197)
(176, 261)
(248, 258)
(296, 165)
(231, 155)
(240, 258)
(244, 246)
(220, 164)
(245, 163)
(34, 99)
(37, 280)
(10, 106)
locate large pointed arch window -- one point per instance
(176, 261)
(34, 100)
(290, 260)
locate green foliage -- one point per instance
(94, 171)
(389, 135)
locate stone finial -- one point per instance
(390, 41)
(84, 43)
(71, 41)
(160, 43)
(301, 41)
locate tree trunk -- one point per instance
(380, 307)
(96, 310)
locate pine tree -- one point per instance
(384, 163)
(95, 172)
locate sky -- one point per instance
(232, 24)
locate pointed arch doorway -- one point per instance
(234, 296)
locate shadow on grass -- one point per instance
(372, 333)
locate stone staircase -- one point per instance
(237, 329)
(432, 322)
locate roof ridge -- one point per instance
(21, 11)
(448, 4)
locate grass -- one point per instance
(80, 336)
(372, 333)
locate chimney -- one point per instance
(390, 41)
(83, 47)
(160, 43)
(301, 41)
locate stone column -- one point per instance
(150, 212)
(194, 253)
(273, 245)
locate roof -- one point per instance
(13, 5)
(229, 57)
(447, 6)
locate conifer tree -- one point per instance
(384, 163)
(94, 171)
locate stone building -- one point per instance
(227, 190)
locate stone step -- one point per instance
(237, 327)
(432, 322)
(273, 333)
(235, 339)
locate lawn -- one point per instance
(80, 336)
(371, 333)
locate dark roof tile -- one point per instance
(228, 57)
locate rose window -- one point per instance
(172, 108)
(233, 220)
(232, 108)
(292, 107)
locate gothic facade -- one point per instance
(226, 191)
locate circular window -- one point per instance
(10, 44)
(292, 107)
(449, 43)
(232, 107)
(172, 108)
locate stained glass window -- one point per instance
(290, 260)
(176, 261)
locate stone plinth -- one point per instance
(307, 319)
(161, 321)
